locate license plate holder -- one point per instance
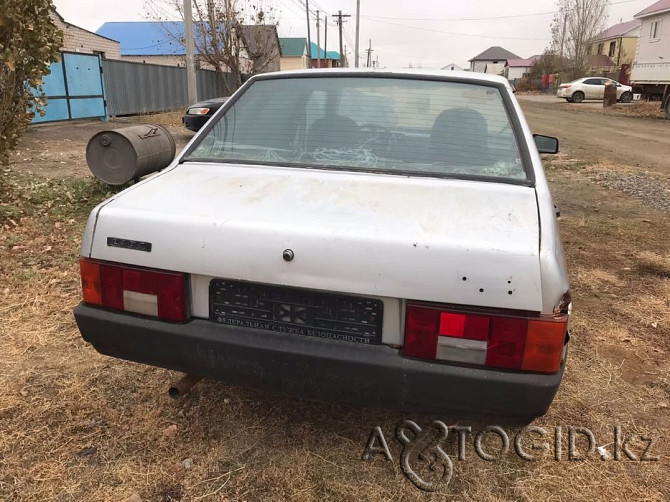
(284, 309)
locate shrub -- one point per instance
(29, 43)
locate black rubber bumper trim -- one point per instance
(195, 122)
(316, 368)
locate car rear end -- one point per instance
(356, 275)
(565, 91)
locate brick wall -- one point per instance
(160, 60)
(77, 39)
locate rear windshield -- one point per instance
(394, 125)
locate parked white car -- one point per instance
(592, 88)
(375, 237)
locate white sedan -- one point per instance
(592, 88)
(374, 237)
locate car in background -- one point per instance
(198, 114)
(592, 88)
(382, 238)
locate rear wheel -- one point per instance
(578, 97)
(626, 97)
(666, 108)
(569, 100)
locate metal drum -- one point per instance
(120, 155)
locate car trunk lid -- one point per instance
(429, 239)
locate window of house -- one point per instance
(600, 48)
(655, 32)
(612, 49)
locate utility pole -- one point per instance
(309, 37)
(339, 23)
(191, 84)
(325, 39)
(318, 41)
(358, 30)
(565, 26)
(369, 51)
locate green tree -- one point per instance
(29, 43)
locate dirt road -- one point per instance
(585, 132)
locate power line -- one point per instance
(294, 8)
(488, 18)
(457, 33)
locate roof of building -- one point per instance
(323, 55)
(600, 60)
(62, 19)
(521, 63)
(147, 38)
(165, 38)
(656, 8)
(495, 53)
(618, 30)
(293, 47)
(260, 39)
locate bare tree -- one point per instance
(236, 37)
(574, 27)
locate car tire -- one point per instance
(577, 97)
(626, 97)
(569, 100)
(666, 108)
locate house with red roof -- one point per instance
(517, 68)
(615, 46)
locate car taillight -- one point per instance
(565, 86)
(144, 291)
(527, 343)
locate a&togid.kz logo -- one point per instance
(422, 460)
(425, 463)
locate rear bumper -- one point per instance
(319, 369)
(195, 122)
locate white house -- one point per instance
(452, 67)
(491, 56)
(653, 45)
(517, 69)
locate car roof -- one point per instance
(473, 77)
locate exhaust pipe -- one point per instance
(183, 385)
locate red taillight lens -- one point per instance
(472, 327)
(421, 332)
(90, 281)
(495, 340)
(565, 86)
(151, 292)
(506, 343)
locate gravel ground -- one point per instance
(649, 189)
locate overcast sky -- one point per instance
(428, 33)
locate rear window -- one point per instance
(393, 125)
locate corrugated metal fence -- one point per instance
(133, 88)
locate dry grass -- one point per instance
(171, 118)
(80, 426)
(642, 109)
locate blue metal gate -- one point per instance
(74, 89)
